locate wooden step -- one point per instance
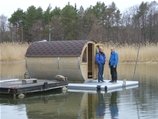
(26, 81)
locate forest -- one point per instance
(101, 23)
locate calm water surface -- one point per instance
(136, 103)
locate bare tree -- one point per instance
(35, 31)
(56, 29)
(3, 28)
(153, 21)
(96, 33)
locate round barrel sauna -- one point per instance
(74, 59)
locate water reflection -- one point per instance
(57, 105)
(140, 102)
(48, 106)
(100, 111)
(113, 106)
(64, 106)
(13, 111)
(125, 71)
(12, 70)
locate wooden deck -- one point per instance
(16, 86)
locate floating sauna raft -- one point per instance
(16, 86)
(74, 59)
(106, 86)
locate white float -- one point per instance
(94, 85)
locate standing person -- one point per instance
(113, 61)
(100, 60)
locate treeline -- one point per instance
(100, 22)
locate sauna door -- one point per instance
(92, 66)
(90, 60)
(95, 66)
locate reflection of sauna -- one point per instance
(74, 59)
(71, 106)
(12, 70)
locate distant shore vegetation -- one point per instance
(14, 51)
(100, 22)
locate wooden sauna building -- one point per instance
(74, 59)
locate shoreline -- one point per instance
(12, 61)
(23, 61)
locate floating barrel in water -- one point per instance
(73, 59)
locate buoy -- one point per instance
(21, 96)
(98, 87)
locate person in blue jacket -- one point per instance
(113, 61)
(100, 60)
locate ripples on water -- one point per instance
(136, 103)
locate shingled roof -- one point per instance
(56, 48)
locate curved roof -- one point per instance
(56, 48)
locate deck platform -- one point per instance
(104, 86)
(16, 86)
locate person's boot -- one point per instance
(112, 79)
(115, 79)
(103, 80)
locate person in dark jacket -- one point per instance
(100, 60)
(113, 61)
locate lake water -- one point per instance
(137, 103)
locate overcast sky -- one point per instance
(7, 7)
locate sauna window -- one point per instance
(84, 57)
